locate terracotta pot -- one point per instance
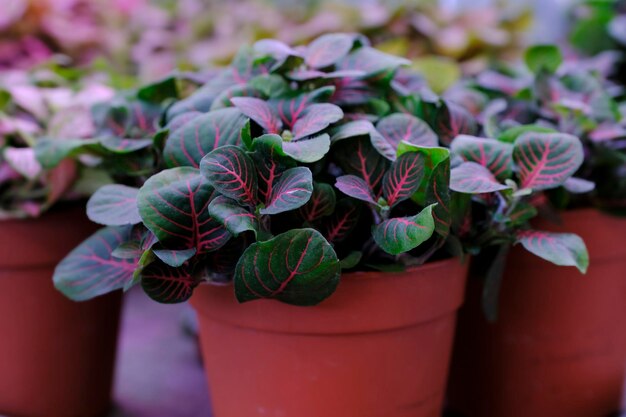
(558, 348)
(56, 356)
(379, 347)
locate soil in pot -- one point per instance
(56, 355)
(379, 346)
(558, 348)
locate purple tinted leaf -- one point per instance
(290, 109)
(187, 145)
(232, 172)
(578, 185)
(232, 216)
(401, 234)
(403, 178)
(328, 49)
(259, 111)
(453, 120)
(564, 249)
(473, 178)
(546, 160)
(114, 205)
(315, 118)
(91, 270)
(23, 160)
(321, 204)
(291, 191)
(494, 155)
(173, 205)
(167, 284)
(355, 187)
(399, 127)
(224, 99)
(296, 267)
(352, 129)
(373, 62)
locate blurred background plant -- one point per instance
(147, 38)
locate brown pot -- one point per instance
(558, 348)
(379, 347)
(56, 356)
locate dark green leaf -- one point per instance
(114, 205)
(401, 234)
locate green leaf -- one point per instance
(90, 269)
(493, 282)
(372, 62)
(564, 249)
(270, 161)
(401, 234)
(296, 267)
(50, 152)
(440, 72)
(494, 155)
(547, 160)
(400, 127)
(291, 191)
(321, 204)
(232, 216)
(173, 205)
(351, 260)
(308, 150)
(543, 58)
(233, 174)
(114, 205)
(438, 192)
(187, 145)
(160, 90)
(473, 178)
(125, 146)
(510, 135)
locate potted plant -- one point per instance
(300, 177)
(62, 350)
(554, 328)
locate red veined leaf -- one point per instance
(91, 270)
(401, 234)
(494, 155)
(291, 191)
(328, 49)
(270, 162)
(473, 178)
(270, 85)
(187, 145)
(167, 284)
(259, 111)
(355, 187)
(546, 160)
(316, 118)
(232, 216)
(404, 178)
(174, 258)
(296, 267)
(438, 192)
(321, 204)
(114, 205)
(358, 157)
(453, 120)
(220, 265)
(232, 172)
(341, 223)
(290, 108)
(353, 90)
(433, 156)
(564, 249)
(173, 205)
(522, 213)
(399, 127)
(308, 150)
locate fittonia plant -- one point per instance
(289, 166)
(35, 107)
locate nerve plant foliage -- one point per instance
(294, 164)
